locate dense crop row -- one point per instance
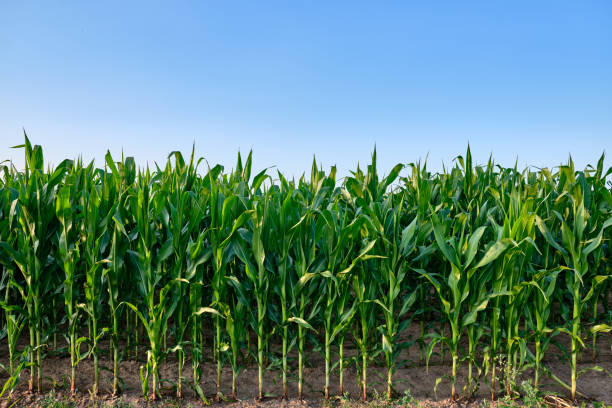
(508, 260)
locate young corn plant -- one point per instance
(14, 315)
(307, 266)
(69, 254)
(198, 253)
(119, 244)
(397, 248)
(282, 216)
(157, 298)
(537, 317)
(344, 310)
(578, 239)
(366, 318)
(97, 212)
(35, 226)
(384, 218)
(599, 203)
(117, 182)
(185, 217)
(198, 266)
(500, 253)
(339, 261)
(341, 237)
(227, 214)
(511, 274)
(460, 248)
(364, 192)
(419, 191)
(255, 270)
(235, 317)
(14, 325)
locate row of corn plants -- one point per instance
(191, 263)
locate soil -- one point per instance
(412, 376)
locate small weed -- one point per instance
(51, 401)
(172, 403)
(531, 399)
(379, 400)
(340, 400)
(407, 399)
(510, 376)
(121, 404)
(506, 402)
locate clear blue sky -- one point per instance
(291, 79)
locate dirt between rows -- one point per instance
(411, 376)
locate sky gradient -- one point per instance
(526, 80)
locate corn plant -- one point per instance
(366, 312)
(227, 215)
(15, 322)
(14, 315)
(121, 174)
(35, 227)
(14, 325)
(341, 233)
(69, 254)
(511, 274)
(578, 239)
(482, 253)
(198, 265)
(184, 219)
(460, 250)
(307, 265)
(399, 248)
(157, 299)
(255, 271)
(97, 213)
(235, 317)
(282, 218)
(537, 317)
(418, 191)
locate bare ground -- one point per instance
(411, 378)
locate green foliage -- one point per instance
(501, 260)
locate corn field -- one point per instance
(192, 263)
